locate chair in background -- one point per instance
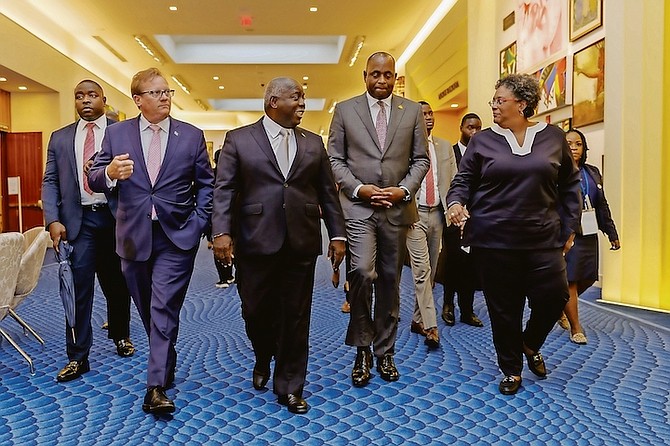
(35, 242)
(11, 249)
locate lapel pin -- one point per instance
(400, 107)
(176, 133)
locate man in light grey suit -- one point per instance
(377, 146)
(424, 237)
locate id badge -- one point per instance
(589, 222)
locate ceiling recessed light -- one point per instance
(313, 9)
(305, 78)
(22, 87)
(454, 105)
(173, 8)
(216, 78)
(221, 87)
(3, 79)
(304, 86)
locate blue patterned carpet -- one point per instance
(612, 391)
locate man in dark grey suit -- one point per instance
(273, 184)
(377, 146)
(74, 213)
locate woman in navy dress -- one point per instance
(582, 259)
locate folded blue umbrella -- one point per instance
(66, 283)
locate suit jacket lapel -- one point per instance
(363, 110)
(72, 153)
(397, 112)
(136, 152)
(300, 140)
(172, 143)
(261, 138)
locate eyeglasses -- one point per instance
(157, 94)
(500, 101)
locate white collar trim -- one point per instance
(527, 140)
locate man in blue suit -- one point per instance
(75, 214)
(160, 170)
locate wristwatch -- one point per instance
(408, 195)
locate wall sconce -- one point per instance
(356, 49)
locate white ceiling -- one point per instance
(96, 33)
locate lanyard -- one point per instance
(584, 185)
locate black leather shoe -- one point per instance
(261, 374)
(125, 347)
(386, 368)
(156, 401)
(260, 379)
(509, 385)
(536, 364)
(472, 320)
(360, 375)
(73, 369)
(448, 315)
(295, 403)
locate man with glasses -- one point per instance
(84, 219)
(163, 210)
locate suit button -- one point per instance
(285, 184)
(283, 205)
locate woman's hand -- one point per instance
(457, 215)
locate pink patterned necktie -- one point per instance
(380, 125)
(154, 153)
(430, 181)
(89, 151)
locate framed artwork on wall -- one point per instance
(565, 124)
(541, 28)
(588, 85)
(552, 84)
(508, 60)
(585, 16)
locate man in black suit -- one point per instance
(74, 213)
(273, 185)
(458, 272)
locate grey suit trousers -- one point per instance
(376, 253)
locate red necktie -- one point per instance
(89, 151)
(380, 125)
(154, 153)
(430, 181)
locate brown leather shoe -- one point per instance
(472, 320)
(432, 338)
(417, 327)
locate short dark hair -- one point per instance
(585, 147)
(525, 87)
(469, 116)
(424, 103)
(91, 81)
